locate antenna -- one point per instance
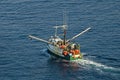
(55, 31)
(56, 27)
(64, 17)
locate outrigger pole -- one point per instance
(79, 34)
(42, 40)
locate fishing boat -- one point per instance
(62, 48)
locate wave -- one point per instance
(44, 53)
(14, 1)
(43, 50)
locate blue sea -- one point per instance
(25, 59)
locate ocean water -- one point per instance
(24, 59)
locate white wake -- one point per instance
(94, 65)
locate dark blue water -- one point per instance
(24, 59)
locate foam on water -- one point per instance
(94, 65)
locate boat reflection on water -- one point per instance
(65, 70)
(64, 65)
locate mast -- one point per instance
(64, 26)
(64, 34)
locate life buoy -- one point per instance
(77, 51)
